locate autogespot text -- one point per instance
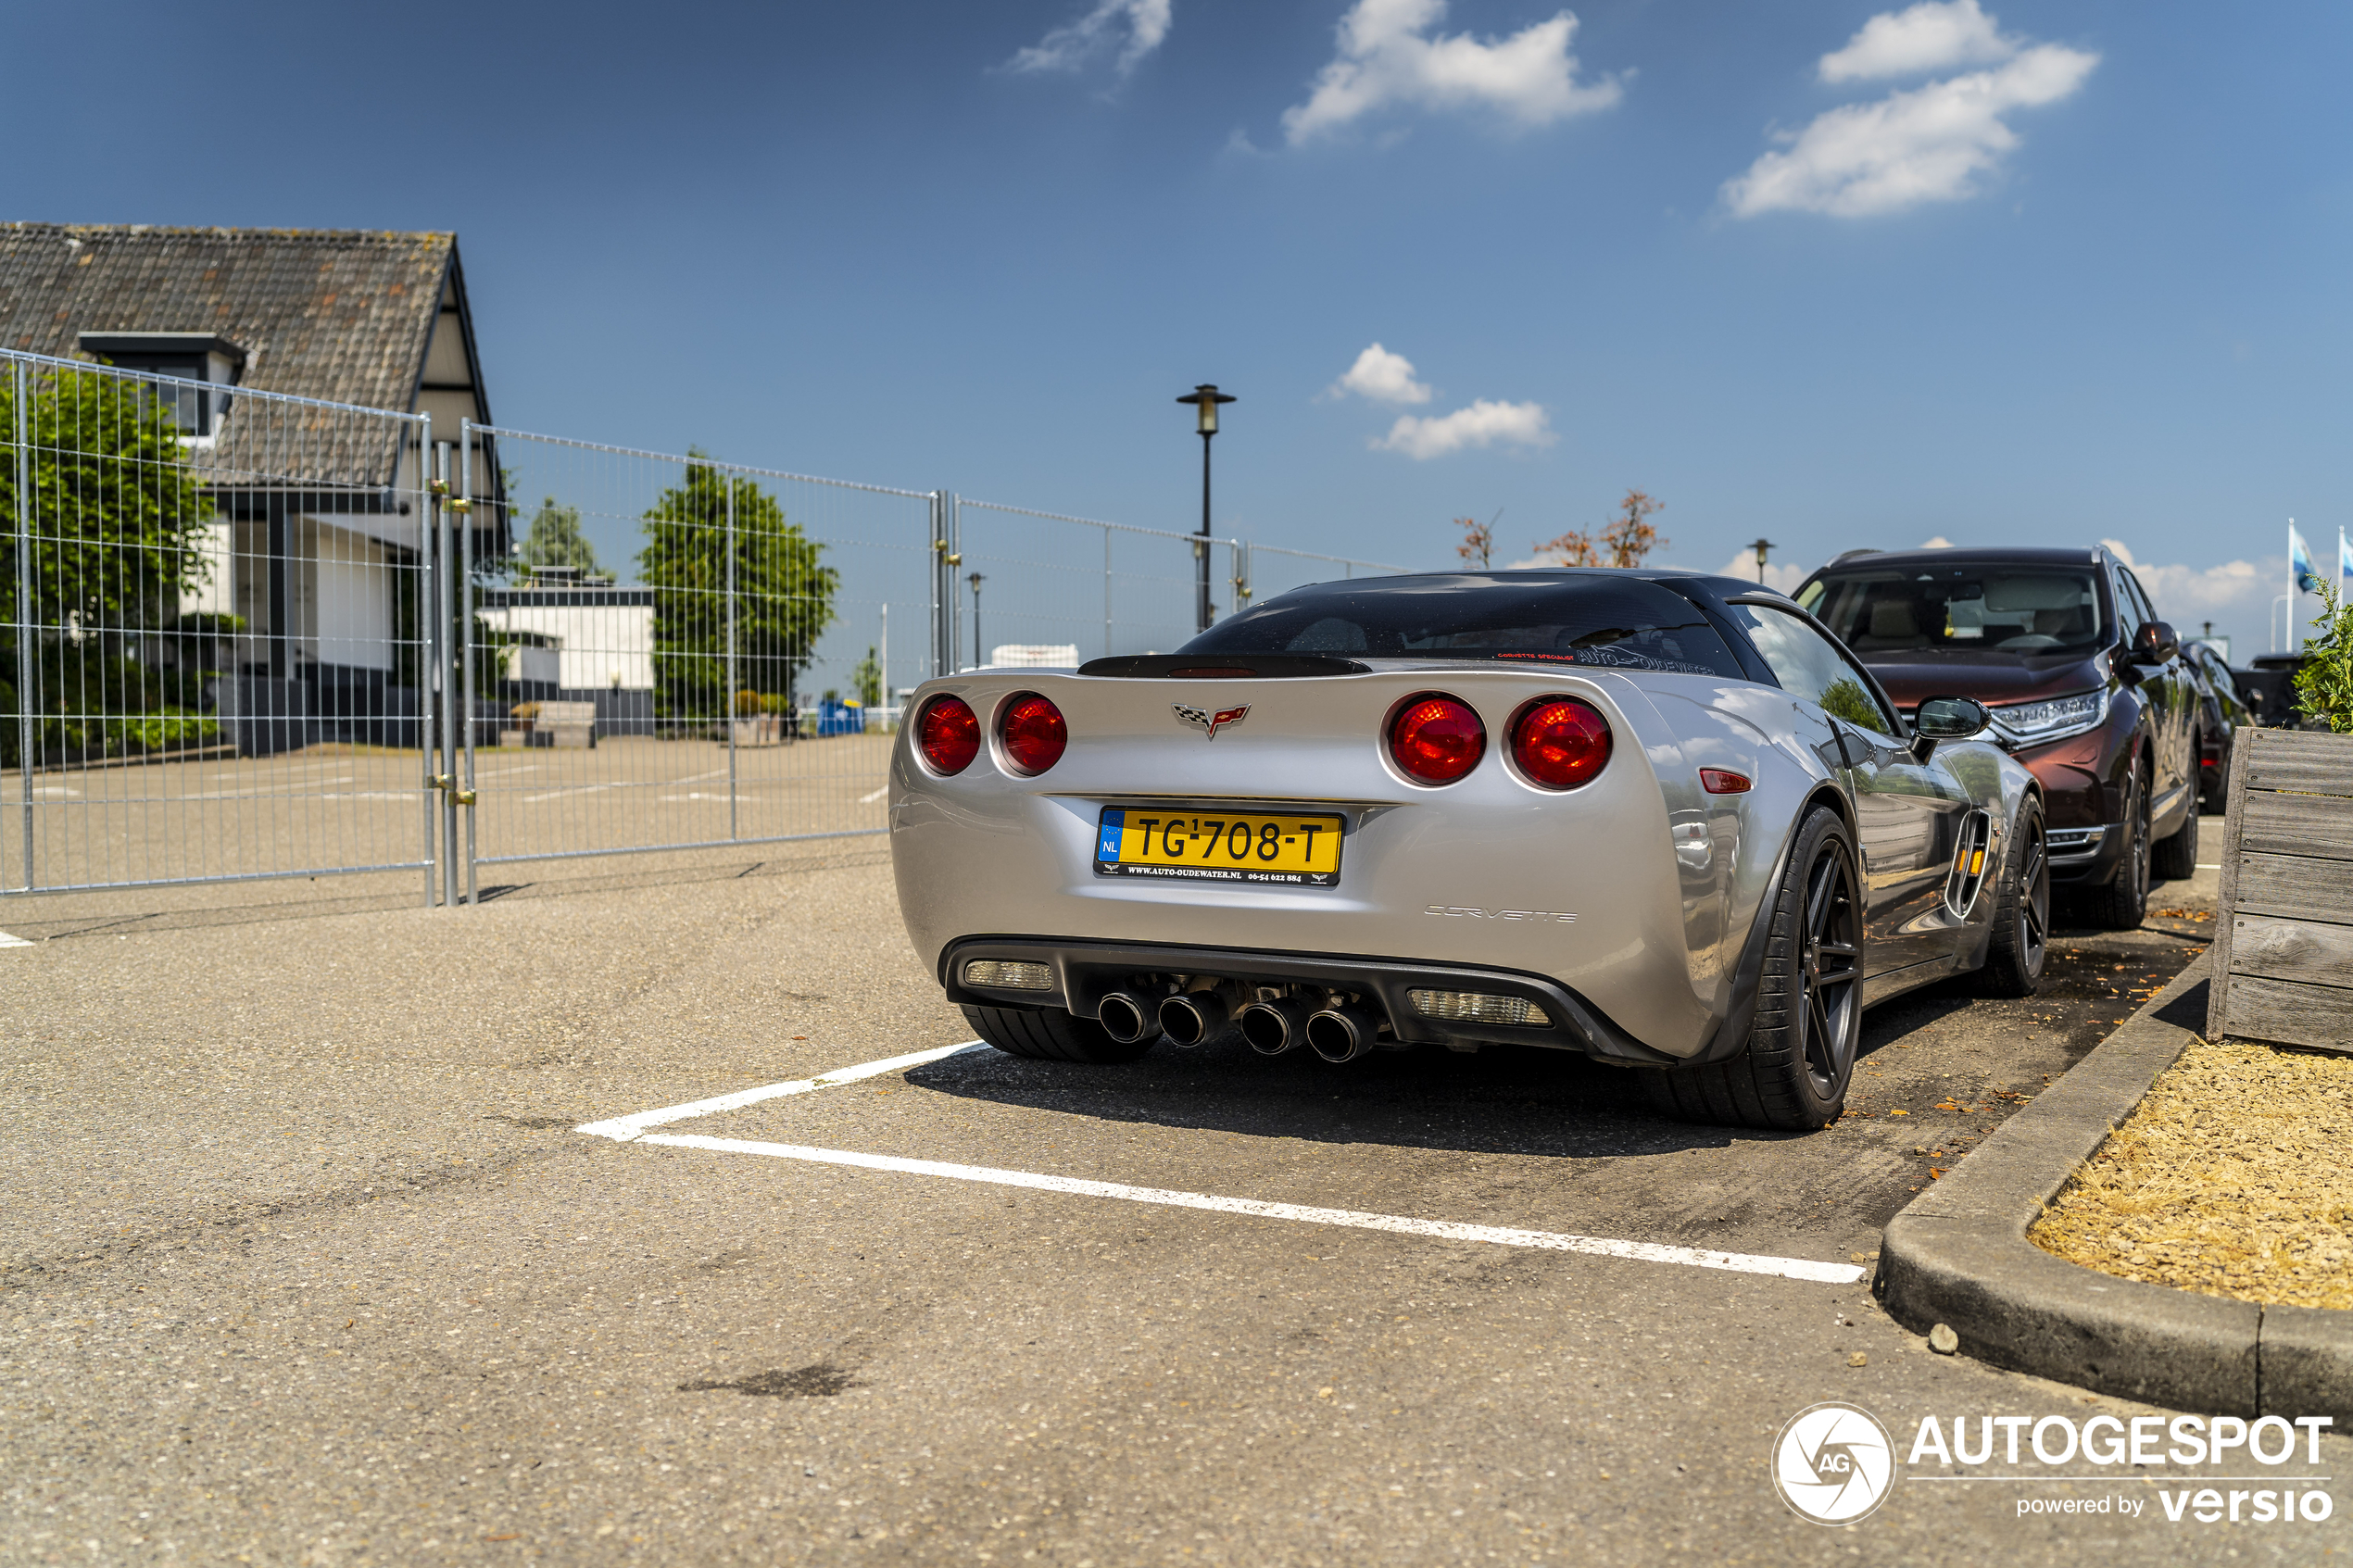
(2270, 1442)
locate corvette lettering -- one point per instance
(1208, 723)
(1464, 912)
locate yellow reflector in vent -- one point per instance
(1976, 863)
(1477, 1007)
(1006, 975)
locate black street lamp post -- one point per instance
(975, 580)
(1761, 546)
(1205, 398)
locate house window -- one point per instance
(193, 357)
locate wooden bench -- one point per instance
(567, 725)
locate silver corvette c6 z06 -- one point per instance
(1659, 818)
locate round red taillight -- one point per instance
(1561, 743)
(948, 732)
(1436, 739)
(1034, 733)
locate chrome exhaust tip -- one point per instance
(1275, 1027)
(1193, 1017)
(1123, 1018)
(1342, 1034)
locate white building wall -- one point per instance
(597, 645)
(349, 614)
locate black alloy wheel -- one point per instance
(2020, 943)
(1800, 1054)
(2125, 902)
(1829, 973)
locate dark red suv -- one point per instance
(2088, 688)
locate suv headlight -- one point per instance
(2031, 723)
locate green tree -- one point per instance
(783, 596)
(868, 679)
(118, 519)
(555, 539)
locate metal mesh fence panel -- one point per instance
(679, 652)
(215, 663)
(254, 636)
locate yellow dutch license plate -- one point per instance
(1243, 846)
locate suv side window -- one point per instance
(2141, 601)
(2131, 609)
(1809, 665)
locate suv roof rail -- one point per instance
(1850, 554)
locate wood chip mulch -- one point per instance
(2232, 1178)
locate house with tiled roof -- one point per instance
(310, 562)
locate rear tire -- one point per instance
(1052, 1034)
(1793, 1073)
(2125, 902)
(2175, 858)
(2020, 943)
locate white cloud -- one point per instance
(1936, 542)
(1138, 27)
(1778, 574)
(2186, 594)
(1929, 36)
(1925, 144)
(1482, 424)
(1381, 376)
(1386, 57)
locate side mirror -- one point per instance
(2154, 642)
(1947, 718)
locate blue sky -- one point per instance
(1840, 274)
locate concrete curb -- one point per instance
(1958, 1255)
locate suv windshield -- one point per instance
(1989, 609)
(1612, 623)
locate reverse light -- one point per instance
(1436, 739)
(947, 734)
(1561, 743)
(1009, 974)
(1033, 733)
(1478, 1006)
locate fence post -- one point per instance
(448, 780)
(466, 632)
(428, 640)
(934, 547)
(955, 558)
(728, 708)
(1106, 592)
(28, 682)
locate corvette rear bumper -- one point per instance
(1085, 971)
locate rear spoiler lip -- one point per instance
(1231, 667)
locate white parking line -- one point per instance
(1441, 1230)
(8, 941)
(634, 1129)
(622, 1129)
(870, 799)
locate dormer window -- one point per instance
(197, 357)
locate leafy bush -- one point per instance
(2324, 684)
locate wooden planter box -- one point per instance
(2284, 928)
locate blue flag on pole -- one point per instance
(2299, 560)
(2344, 554)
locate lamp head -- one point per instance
(1206, 398)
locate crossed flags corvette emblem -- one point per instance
(1209, 723)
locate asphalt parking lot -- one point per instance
(304, 1261)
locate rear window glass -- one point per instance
(1611, 623)
(1990, 608)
